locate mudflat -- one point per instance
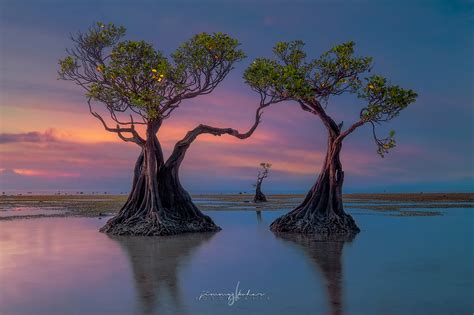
(22, 206)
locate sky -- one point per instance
(49, 141)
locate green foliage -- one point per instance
(338, 71)
(103, 35)
(136, 73)
(204, 51)
(385, 101)
(280, 80)
(290, 76)
(67, 65)
(133, 75)
(291, 53)
(384, 145)
(90, 45)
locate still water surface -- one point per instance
(396, 265)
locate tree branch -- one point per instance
(119, 130)
(181, 146)
(383, 144)
(315, 107)
(351, 129)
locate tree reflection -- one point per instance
(258, 211)
(156, 263)
(326, 253)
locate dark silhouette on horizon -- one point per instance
(262, 174)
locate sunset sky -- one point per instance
(49, 141)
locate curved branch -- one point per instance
(119, 130)
(307, 108)
(181, 146)
(114, 117)
(383, 144)
(201, 83)
(351, 129)
(314, 106)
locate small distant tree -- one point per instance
(262, 174)
(312, 84)
(138, 85)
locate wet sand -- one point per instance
(103, 205)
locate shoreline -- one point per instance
(106, 205)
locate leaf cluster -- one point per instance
(290, 75)
(125, 74)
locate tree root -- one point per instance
(153, 226)
(328, 226)
(259, 197)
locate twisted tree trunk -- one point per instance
(259, 195)
(321, 211)
(157, 204)
(174, 196)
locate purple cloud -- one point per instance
(33, 136)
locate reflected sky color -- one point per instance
(65, 266)
(48, 139)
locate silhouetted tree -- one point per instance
(262, 174)
(140, 86)
(311, 84)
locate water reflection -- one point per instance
(156, 263)
(259, 214)
(326, 254)
(64, 266)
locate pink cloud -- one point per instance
(293, 140)
(43, 173)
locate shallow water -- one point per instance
(396, 265)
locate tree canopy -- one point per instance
(132, 76)
(312, 83)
